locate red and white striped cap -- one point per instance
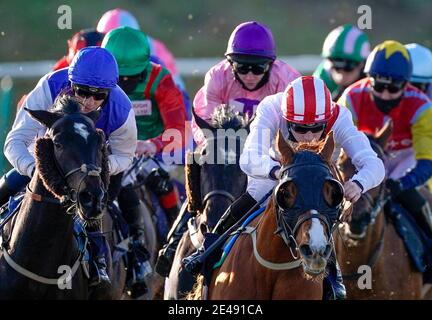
(307, 100)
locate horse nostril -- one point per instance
(305, 250)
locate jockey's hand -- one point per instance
(352, 191)
(394, 186)
(145, 148)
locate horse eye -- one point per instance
(57, 145)
(286, 194)
(333, 193)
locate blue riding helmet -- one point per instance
(94, 67)
(389, 59)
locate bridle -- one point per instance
(287, 231)
(71, 198)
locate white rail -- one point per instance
(188, 67)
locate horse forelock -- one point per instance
(224, 117)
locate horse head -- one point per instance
(213, 175)
(308, 201)
(72, 159)
(371, 203)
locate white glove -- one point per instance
(146, 148)
(352, 191)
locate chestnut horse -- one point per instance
(368, 239)
(293, 231)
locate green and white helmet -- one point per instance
(346, 42)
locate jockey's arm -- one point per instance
(422, 145)
(25, 129)
(122, 144)
(255, 159)
(370, 168)
(172, 110)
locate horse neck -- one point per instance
(42, 231)
(270, 245)
(374, 233)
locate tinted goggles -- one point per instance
(256, 69)
(304, 128)
(393, 86)
(345, 65)
(87, 92)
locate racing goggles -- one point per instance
(256, 69)
(379, 84)
(343, 64)
(305, 128)
(87, 92)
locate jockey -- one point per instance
(386, 94)
(303, 112)
(344, 51)
(421, 77)
(81, 39)
(158, 107)
(92, 78)
(159, 53)
(249, 73)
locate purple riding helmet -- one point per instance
(252, 39)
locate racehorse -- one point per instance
(294, 230)
(40, 257)
(368, 239)
(213, 180)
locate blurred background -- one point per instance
(192, 29)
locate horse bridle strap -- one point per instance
(38, 278)
(89, 169)
(268, 264)
(213, 193)
(39, 198)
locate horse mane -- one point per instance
(313, 146)
(192, 183)
(224, 117)
(50, 175)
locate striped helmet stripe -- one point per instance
(298, 100)
(320, 98)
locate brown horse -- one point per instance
(213, 180)
(368, 239)
(293, 231)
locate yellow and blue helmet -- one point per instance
(389, 59)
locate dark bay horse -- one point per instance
(283, 252)
(40, 257)
(369, 239)
(213, 180)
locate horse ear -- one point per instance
(327, 150)
(285, 149)
(384, 134)
(94, 115)
(201, 123)
(44, 117)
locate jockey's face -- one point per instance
(308, 136)
(344, 73)
(90, 98)
(307, 132)
(386, 89)
(250, 80)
